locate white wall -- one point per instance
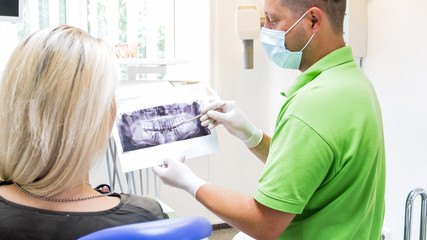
(396, 61)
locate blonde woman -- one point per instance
(57, 109)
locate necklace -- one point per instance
(60, 200)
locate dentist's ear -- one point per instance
(316, 17)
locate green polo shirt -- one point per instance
(326, 162)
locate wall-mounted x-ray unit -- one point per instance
(247, 25)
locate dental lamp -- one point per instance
(248, 24)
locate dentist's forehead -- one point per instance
(275, 8)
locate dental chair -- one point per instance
(179, 228)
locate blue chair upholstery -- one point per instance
(180, 228)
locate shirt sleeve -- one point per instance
(297, 164)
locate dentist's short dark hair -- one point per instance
(334, 9)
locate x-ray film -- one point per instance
(151, 125)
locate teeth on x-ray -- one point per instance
(158, 125)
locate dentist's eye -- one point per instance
(273, 22)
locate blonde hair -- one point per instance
(56, 108)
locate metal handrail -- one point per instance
(408, 213)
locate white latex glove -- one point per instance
(233, 120)
(176, 174)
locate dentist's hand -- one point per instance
(176, 174)
(233, 120)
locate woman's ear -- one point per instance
(113, 112)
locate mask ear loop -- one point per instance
(299, 20)
(308, 42)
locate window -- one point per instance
(172, 35)
(140, 29)
(172, 40)
(38, 14)
(145, 22)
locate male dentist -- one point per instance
(324, 174)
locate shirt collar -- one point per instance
(333, 59)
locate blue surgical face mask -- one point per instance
(274, 45)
